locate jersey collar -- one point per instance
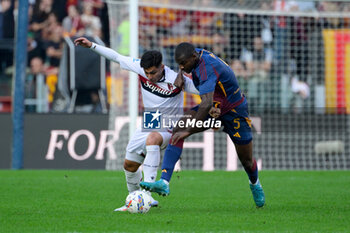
(163, 78)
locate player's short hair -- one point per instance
(151, 58)
(184, 50)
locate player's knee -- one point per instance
(154, 138)
(130, 166)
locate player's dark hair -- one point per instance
(151, 58)
(184, 50)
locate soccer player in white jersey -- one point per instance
(158, 91)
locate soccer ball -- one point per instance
(138, 202)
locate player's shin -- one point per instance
(133, 180)
(252, 172)
(171, 156)
(151, 163)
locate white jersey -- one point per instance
(162, 95)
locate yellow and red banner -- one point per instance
(337, 70)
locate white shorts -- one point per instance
(136, 149)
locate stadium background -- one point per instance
(297, 85)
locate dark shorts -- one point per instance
(236, 124)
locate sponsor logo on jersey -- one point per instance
(157, 90)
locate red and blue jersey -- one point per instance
(212, 74)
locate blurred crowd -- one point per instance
(276, 50)
(49, 21)
(263, 50)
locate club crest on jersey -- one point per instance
(152, 119)
(170, 87)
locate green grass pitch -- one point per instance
(83, 201)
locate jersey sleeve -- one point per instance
(208, 79)
(189, 86)
(131, 64)
(127, 63)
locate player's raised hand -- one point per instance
(82, 41)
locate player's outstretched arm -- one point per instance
(125, 62)
(108, 53)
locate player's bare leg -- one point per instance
(245, 155)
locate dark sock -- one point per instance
(252, 172)
(171, 156)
